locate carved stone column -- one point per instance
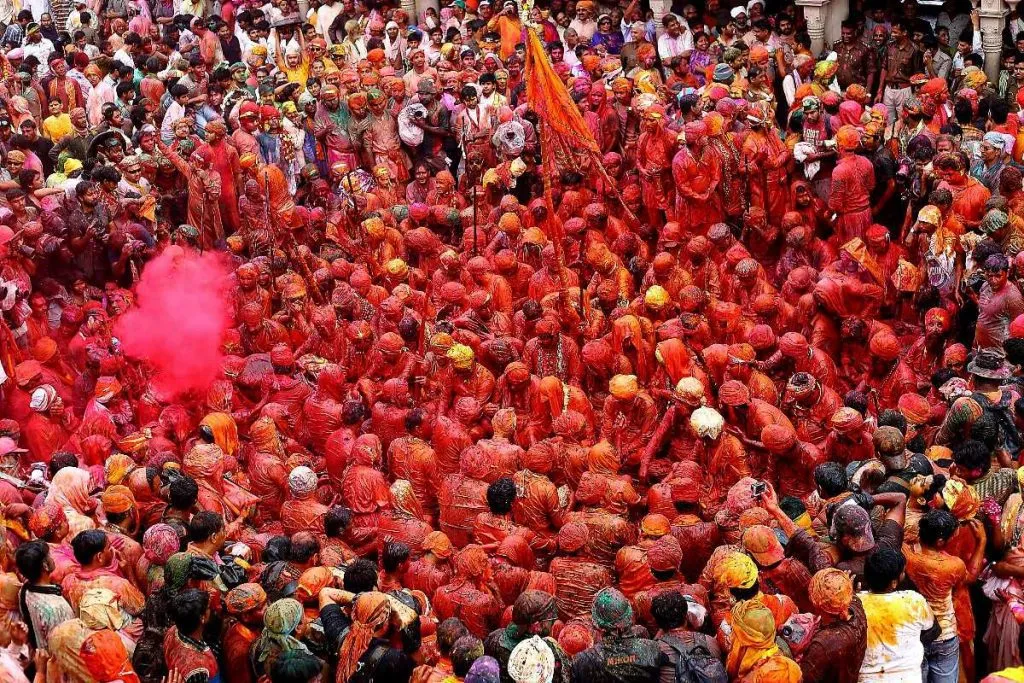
(816, 12)
(992, 14)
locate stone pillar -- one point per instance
(992, 14)
(660, 8)
(816, 13)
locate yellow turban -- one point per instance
(396, 267)
(461, 356)
(656, 297)
(736, 570)
(374, 227)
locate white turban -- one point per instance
(531, 661)
(707, 422)
(42, 397)
(302, 481)
(737, 11)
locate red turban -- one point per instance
(778, 438)
(794, 345)
(281, 356)
(733, 393)
(655, 526)
(665, 555)
(761, 337)
(1016, 327)
(846, 420)
(573, 536)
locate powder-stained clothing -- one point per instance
(836, 650)
(895, 622)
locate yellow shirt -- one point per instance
(56, 128)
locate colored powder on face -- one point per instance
(182, 313)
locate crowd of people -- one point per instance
(559, 344)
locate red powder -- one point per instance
(181, 315)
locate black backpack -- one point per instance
(695, 663)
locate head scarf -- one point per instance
(46, 519)
(160, 542)
(117, 499)
(106, 659)
(371, 613)
(302, 481)
(245, 598)
(70, 488)
(531, 661)
(611, 611)
(484, 670)
(280, 621)
(753, 637)
(117, 467)
(225, 432)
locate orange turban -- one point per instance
(915, 408)
(117, 499)
(655, 526)
(885, 345)
(848, 137)
(624, 387)
(778, 438)
(831, 592)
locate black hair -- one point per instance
(88, 544)
(449, 631)
(352, 412)
(893, 418)
(294, 666)
(360, 577)
(669, 610)
(336, 521)
(60, 460)
(394, 554)
(30, 559)
(1014, 348)
(465, 651)
(500, 496)
(304, 547)
(857, 400)
(831, 478)
(414, 418)
(972, 455)
(183, 491)
(943, 375)
(177, 90)
(277, 549)
(936, 526)
(467, 92)
(882, 567)
(204, 525)
(188, 608)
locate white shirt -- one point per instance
(895, 623)
(669, 47)
(325, 16)
(38, 7)
(585, 31)
(125, 58)
(175, 112)
(41, 51)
